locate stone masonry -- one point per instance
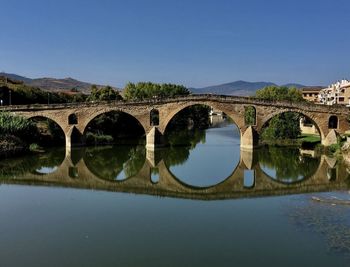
(233, 106)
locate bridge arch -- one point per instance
(237, 117)
(84, 123)
(48, 116)
(312, 117)
(50, 119)
(130, 117)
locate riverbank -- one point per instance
(305, 140)
(12, 146)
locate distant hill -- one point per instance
(239, 88)
(52, 84)
(15, 77)
(296, 85)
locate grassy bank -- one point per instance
(307, 140)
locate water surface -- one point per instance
(205, 203)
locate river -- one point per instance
(201, 203)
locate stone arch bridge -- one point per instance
(73, 118)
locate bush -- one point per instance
(98, 139)
(35, 147)
(10, 145)
(16, 125)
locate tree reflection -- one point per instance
(110, 162)
(288, 164)
(19, 166)
(181, 143)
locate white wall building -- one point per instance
(337, 93)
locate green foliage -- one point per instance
(334, 148)
(119, 125)
(23, 94)
(109, 162)
(35, 147)
(181, 143)
(289, 164)
(10, 168)
(103, 94)
(282, 126)
(286, 125)
(16, 125)
(280, 93)
(147, 90)
(10, 145)
(250, 115)
(193, 117)
(310, 138)
(98, 139)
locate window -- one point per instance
(333, 122)
(250, 116)
(154, 117)
(72, 119)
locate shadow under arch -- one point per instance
(175, 114)
(56, 131)
(113, 122)
(164, 124)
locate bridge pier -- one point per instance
(331, 138)
(154, 139)
(249, 139)
(74, 137)
(153, 157)
(248, 158)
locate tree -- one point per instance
(148, 90)
(103, 94)
(283, 126)
(280, 93)
(250, 116)
(286, 125)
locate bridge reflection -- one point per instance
(76, 172)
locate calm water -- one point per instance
(202, 203)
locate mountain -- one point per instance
(239, 88)
(15, 77)
(296, 85)
(52, 84)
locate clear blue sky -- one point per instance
(191, 42)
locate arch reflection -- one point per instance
(42, 164)
(155, 178)
(287, 165)
(116, 163)
(211, 156)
